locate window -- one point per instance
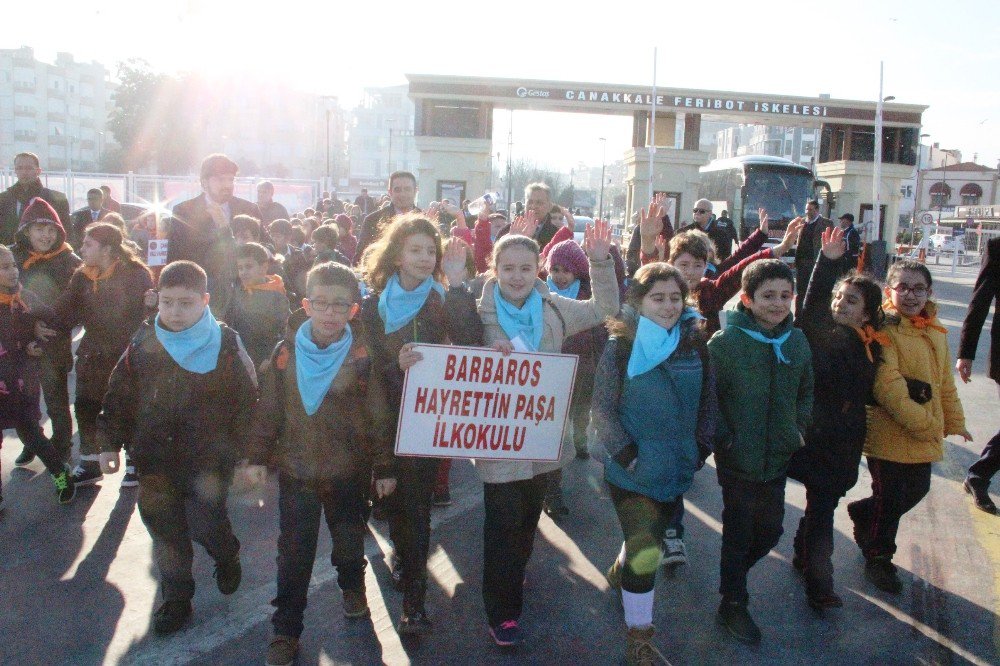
(940, 194)
(971, 193)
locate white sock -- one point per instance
(638, 608)
(621, 555)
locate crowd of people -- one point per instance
(277, 342)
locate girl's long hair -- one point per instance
(641, 284)
(111, 236)
(379, 261)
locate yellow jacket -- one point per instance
(899, 429)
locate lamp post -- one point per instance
(604, 160)
(388, 159)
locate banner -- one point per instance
(461, 402)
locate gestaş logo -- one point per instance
(525, 92)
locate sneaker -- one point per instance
(87, 473)
(281, 651)
(824, 600)
(882, 573)
(735, 617)
(228, 574)
(674, 552)
(980, 496)
(65, 485)
(442, 498)
(356, 603)
(171, 617)
(614, 575)
(130, 479)
(639, 647)
(506, 634)
(26, 458)
(414, 624)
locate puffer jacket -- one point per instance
(562, 317)
(899, 429)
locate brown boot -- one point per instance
(639, 648)
(282, 651)
(356, 603)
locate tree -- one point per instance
(523, 172)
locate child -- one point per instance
(313, 423)
(917, 406)
(179, 401)
(47, 263)
(19, 384)
(765, 383)
(324, 241)
(846, 349)
(408, 305)
(347, 241)
(519, 312)
(259, 310)
(295, 264)
(655, 410)
(246, 229)
(107, 296)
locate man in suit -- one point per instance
(402, 199)
(985, 293)
(809, 245)
(365, 202)
(94, 211)
(200, 228)
(270, 210)
(109, 201)
(15, 199)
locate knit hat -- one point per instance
(40, 210)
(570, 256)
(344, 221)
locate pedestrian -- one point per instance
(520, 313)
(765, 384)
(313, 424)
(401, 199)
(47, 262)
(842, 315)
(917, 406)
(15, 199)
(259, 310)
(179, 402)
(294, 263)
(326, 242)
(720, 230)
(655, 409)
(347, 242)
(409, 305)
(19, 376)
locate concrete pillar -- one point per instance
(674, 171)
(451, 159)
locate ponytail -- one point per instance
(111, 236)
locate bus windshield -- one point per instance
(783, 193)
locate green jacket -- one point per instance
(765, 405)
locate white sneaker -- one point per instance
(674, 552)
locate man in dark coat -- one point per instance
(810, 243)
(539, 200)
(722, 233)
(200, 228)
(402, 198)
(94, 211)
(985, 293)
(15, 199)
(270, 210)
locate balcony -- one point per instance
(25, 111)
(25, 135)
(57, 93)
(24, 85)
(57, 140)
(57, 116)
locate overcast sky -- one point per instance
(942, 54)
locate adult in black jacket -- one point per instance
(806, 251)
(14, 200)
(402, 199)
(93, 212)
(722, 232)
(539, 201)
(985, 293)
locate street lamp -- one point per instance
(604, 155)
(388, 160)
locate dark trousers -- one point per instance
(443, 475)
(982, 470)
(814, 540)
(896, 488)
(643, 520)
(175, 516)
(677, 519)
(35, 441)
(579, 410)
(752, 513)
(512, 512)
(408, 510)
(54, 369)
(300, 507)
(92, 374)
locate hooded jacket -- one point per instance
(46, 274)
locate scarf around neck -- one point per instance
(195, 349)
(654, 344)
(572, 291)
(315, 368)
(35, 257)
(95, 275)
(868, 335)
(14, 300)
(271, 283)
(920, 322)
(397, 306)
(774, 342)
(526, 322)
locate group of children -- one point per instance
(770, 396)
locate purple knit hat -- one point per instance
(570, 256)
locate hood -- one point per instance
(39, 210)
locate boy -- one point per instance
(47, 263)
(324, 241)
(180, 400)
(765, 384)
(259, 310)
(296, 263)
(312, 423)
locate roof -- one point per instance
(964, 166)
(764, 160)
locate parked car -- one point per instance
(580, 225)
(948, 243)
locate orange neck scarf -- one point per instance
(14, 300)
(95, 275)
(868, 335)
(920, 321)
(273, 283)
(35, 257)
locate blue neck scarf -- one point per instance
(710, 268)
(774, 342)
(569, 292)
(315, 368)
(398, 306)
(654, 344)
(195, 349)
(524, 322)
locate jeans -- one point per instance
(300, 506)
(814, 540)
(896, 488)
(408, 510)
(643, 521)
(752, 515)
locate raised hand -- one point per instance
(597, 241)
(525, 225)
(570, 222)
(453, 262)
(791, 237)
(661, 248)
(651, 220)
(833, 245)
(762, 214)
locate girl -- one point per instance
(19, 384)
(917, 406)
(409, 305)
(654, 408)
(107, 295)
(520, 312)
(846, 350)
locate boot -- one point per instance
(640, 649)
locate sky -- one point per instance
(941, 54)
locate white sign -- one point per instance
(156, 255)
(462, 402)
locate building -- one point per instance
(57, 111)
(380, 139)
(794, 143)
(931, 157)
(942, 189)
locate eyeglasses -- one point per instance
(339, 307)
(701, 210)
(919, 291)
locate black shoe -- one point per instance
(171, 617)
(582, 454)
(415, 623)
(736, 619)
(824, 600)
(88, 472)
(554, 507)
(882, 573)
(228, 574)
(442, 498)
(980, 496)
(65, 485)
(26, 458)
